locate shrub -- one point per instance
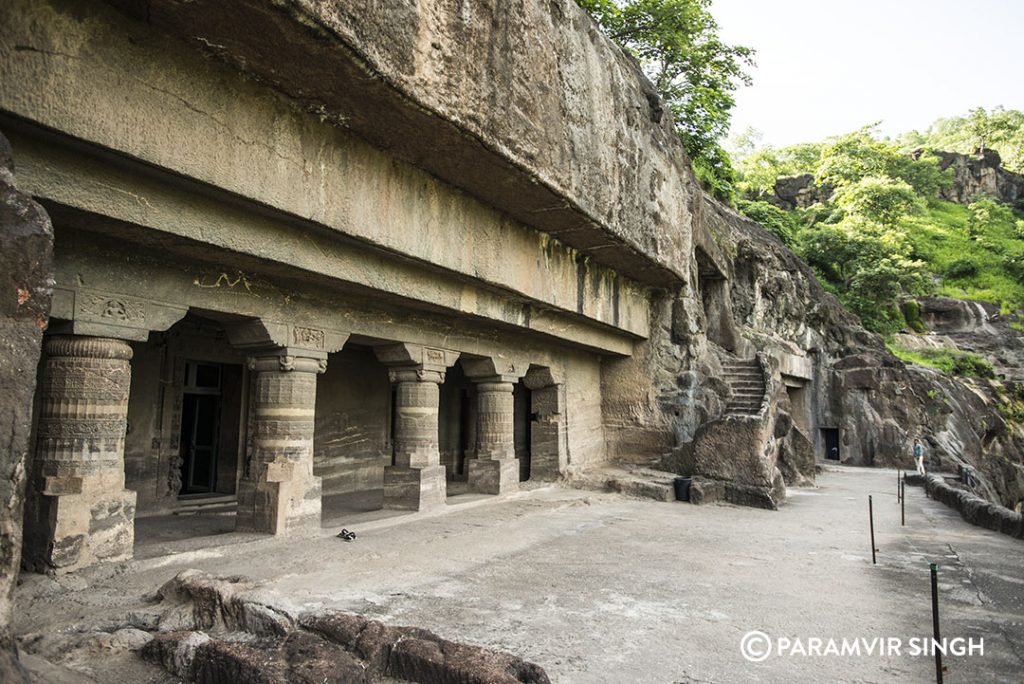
(912, 315)
(963, 267)
(949, 361)
(774, 219)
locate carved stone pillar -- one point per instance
(79, 511)
(495, 470)
(278, 492)
(416, 481)
(549, 450)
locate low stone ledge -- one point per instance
(706, 491)
(225, 629)
(972, 508)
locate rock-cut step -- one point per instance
(746, 386)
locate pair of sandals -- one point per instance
(347, 535)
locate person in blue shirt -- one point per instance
(919, 456)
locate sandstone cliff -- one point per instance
(825, 371)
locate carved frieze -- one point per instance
(113, 308)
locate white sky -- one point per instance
(826, 67)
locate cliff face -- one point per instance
(981, 174)
(826, 372)
(26, 248)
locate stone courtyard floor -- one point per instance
(596, 587)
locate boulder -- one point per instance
(26, 279)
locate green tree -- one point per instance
(986, 214)
(855, 156)
(985, 127)
(693, 70)
(868, 265)
(879, 198)
(757, 170)
(771, 217)
(999, 129)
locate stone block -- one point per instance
(414, 489)
(861, 378)
(705, 491)
(494, 476)
(61, 485)
(280, 471)
(547, 401)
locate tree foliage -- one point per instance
(771, 217)
(869, 266)
(857, 155)
(758, 169)
(999, 129)
(880, 232)
(882, 199)
(693, 70)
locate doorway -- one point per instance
(521, 401)
(830, 437)
(202, 417)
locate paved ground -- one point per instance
(600, 588)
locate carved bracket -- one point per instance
(498, 368)
(416, 357)
(293, 339)
(106, 314)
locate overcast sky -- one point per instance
(826, 67)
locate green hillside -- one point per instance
(876, 230)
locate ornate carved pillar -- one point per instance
(416, 481)
(79, 511)
(278, 492)
(495, 470)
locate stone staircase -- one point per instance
(746, 384)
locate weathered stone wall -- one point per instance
(26, 244)
(351, 445)
(202, 120)
(523, 104)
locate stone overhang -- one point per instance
(114, 119)
(524, 105)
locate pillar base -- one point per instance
(414, 489)
(494, 476)
(84, 529)
(279, 507)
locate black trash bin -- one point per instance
(682, 487)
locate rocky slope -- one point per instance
(973, 175)
(776, 309)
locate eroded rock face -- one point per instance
(221, 630)
(26, 246)
(798, 192)
(981, 174)
(843, 373)
(526, 105)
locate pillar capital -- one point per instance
(416, 357)
(283, 361)
(87, 347)
(264, 337)
(103, 314)
(416, 375)
(494, 369)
